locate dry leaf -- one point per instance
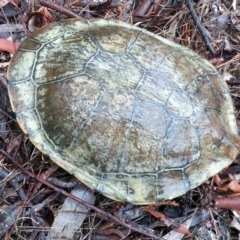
(168, 221)
(3, 3)
(233, 186)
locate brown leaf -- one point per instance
(46, 13)
(168, 221)
(108, 232)
(217, 180)
(157, 215)
(233, 186)
(181, 229)
(185, 35)
(216, 61)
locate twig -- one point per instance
(14, 183)
(60, 183)
(6, 114)
(58, 8)
(86, 204)
(200, 28)
(148, 8)
(3, 81)
(234, 82)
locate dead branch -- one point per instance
(86, 204)
(200, 28)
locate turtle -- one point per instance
(130, 114)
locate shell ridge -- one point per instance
(186, 181)
(234, 139)
(183, 95)
(49, 41)
(122, 159)
(140, 83)
(28, 50)
(60, 79)
(35, 64)
(40, 121)
(90, 60)
(196, 89)
(99, 83)
(13, 83)
(81, 126)
(161, 154)
(99, 47)
(65, 26)
(31, 39)
(129, 47)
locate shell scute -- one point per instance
(120, 39)
(177, 98)
(202, 93)
(164, 189)
(113, 67)
(31, 45)
(48, 33)
(68, 94)
(72, 60)
(219, 85)
(29, 123)
(22, 102)
(25, 60)
(147, 88)
(182, 139)
(148, 52)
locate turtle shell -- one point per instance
(130, 114)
